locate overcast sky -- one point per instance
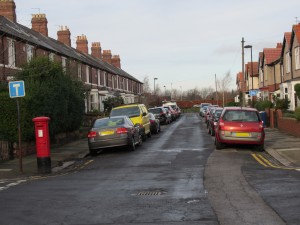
(183, 42)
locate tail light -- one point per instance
(221, 123)
(122, 130)
(92, 134)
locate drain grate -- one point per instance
(150, 193)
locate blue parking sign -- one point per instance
(16, 89)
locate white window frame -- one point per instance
(79, 71)
(297, 58)
(29, 52)
(11, 53)
(98, 77)
(51, 57)
(87, 70)
(64, 63)
(287, 62)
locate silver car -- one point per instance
(113, 132)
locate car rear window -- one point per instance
(128, 111)
(241, 116)
(155, 110)
(108, 122)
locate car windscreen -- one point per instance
(128, 111)
(108, 122)
(241, 116)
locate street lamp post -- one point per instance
(250, 46)
(181, 93)
(154, 84)
(165, 90)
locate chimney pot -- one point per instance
(82, 44)
(64, 35)
(8, 10)
(39, 23)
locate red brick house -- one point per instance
(100, 72)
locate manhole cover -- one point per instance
(150, 193)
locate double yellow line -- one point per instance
(266, 163)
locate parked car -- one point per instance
(209, 112)
(138, 114)
(113, 132)
(203, 111)
(214, 120)
(240, 125)
(154, 124)
(161, 114)
(173, 113)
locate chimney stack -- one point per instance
(39, 24)
(64, 35)
(96, 50)
(279, 45)
(116, 61)
(82, 44)
(106, 56)
(8, 10)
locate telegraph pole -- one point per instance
(243, 71)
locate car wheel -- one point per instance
(149, 134)
(218, 144)
(212, 133)
(140, 140)
(259, 148)
(158, 128)
(93, 152)
(144, 137)
(131, 146)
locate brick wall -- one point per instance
(288, 125)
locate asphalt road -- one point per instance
(175, 177)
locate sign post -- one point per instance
(16, 90)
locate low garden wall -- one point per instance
(287, 124)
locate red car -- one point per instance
(240, 125)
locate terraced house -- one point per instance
(276, 72)
(100, 71)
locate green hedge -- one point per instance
(49, 92)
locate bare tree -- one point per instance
(223, 85)
(206, 92)
(146, 85)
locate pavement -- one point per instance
(283, 147)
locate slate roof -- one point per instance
(21, 32)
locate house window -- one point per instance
(11, 53)
(64, 63)
(79, 72)
(297, 58)
(287, 62)
(51, 57)
(94, 102)
(29, 52)
(98, 76)
(87, 74)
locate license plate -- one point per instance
(242, 134)
(107, 132)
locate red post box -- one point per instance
(41, 125)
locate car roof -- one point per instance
(129, 105)
(240, 108)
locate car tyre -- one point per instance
(140, 142)
(218, 144)
(149, 135)
(144, 137)
(93, 152)
(131, 145)
(259, 148)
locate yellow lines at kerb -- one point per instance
(266, 163)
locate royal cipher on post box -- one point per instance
(41, 125)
